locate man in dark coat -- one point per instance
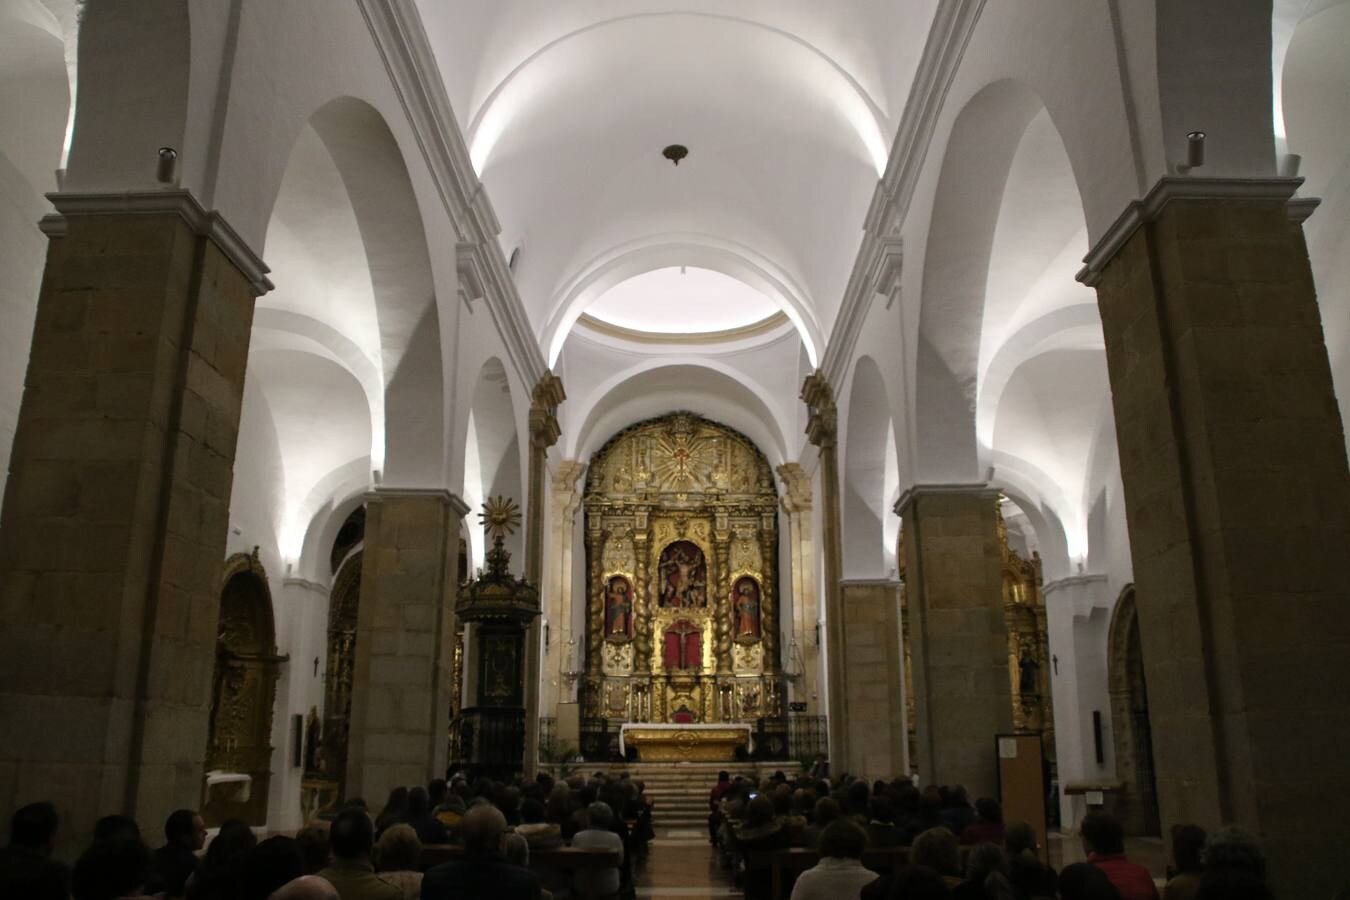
(484, 871)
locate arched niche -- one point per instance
(870, 473)
(243, 694)
(344, 602)
(1137, 806)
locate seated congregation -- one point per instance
(526, 839)
(805, 839)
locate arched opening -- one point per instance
(239, 751)
(343, 605)
(492, 464)
(870, 476)
(1137, 805)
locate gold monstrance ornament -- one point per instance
(500, 517)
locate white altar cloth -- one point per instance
(705, 726)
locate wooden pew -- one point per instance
(568, 859)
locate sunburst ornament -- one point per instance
(500, 517)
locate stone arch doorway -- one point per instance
(344, 603)
(1133, 741)
(239, 745)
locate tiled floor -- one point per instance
(681, 864)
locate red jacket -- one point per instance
(1132, 880)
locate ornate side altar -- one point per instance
(681, 550)
(716, 742)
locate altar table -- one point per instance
(672, 742)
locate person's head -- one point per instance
(826, 811)
(856, 795)
(313, 842)
(307, 887)
(419, 801)
(1233, 848)
(989, 810)
(1102, 833)
(234, 839)
(1084, 881)
(1188, 843)
(273, 863)
(33, 827)
(759, 811)
(437, 790)
(879, 810)
(185, 828)
(938, 849)
(842, 839)
(1019, 837)
(1232, 884)
(111, 867)
(1029, 877)
(723, 777)
(397, 802)
(919, 883)
(516, 850)
(116, 826)
(351, 835)
(984, 860)
(907, 799)
(957, 796)
(599, 816)
(482, 829)
(398, 849)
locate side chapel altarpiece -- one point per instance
(681, 549)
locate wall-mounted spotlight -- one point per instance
(1195, 152)
(165, 168)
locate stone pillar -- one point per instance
(1077, 611)
(802, 651)
(544, 433)
(559, 655)
(875, 675)
(112, 539)
(405, 640)
(822, 429)
(1237, 497)
(958, 638)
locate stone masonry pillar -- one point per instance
(822, 429)
(958, 639)
(112, 539)
(405, 636)
(565, 496)
(874, 678)
(801, 652)
(544, 433)
(1238, 501)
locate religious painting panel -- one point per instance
(683, 574)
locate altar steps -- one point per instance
(679, 791)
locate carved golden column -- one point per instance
(595, 612)
(822, 428)
(768, 603)
(796, 502)
(721, 601)
(544, 433)
(642, 596)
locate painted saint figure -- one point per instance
(618, 608)
(745, 606)
(683, 576)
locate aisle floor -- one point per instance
(681, 864)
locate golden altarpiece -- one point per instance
(1028, 647)
(681, 553)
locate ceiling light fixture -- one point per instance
(675, 153)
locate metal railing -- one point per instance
(807, 736)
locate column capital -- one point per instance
(547, 394)
(822, 426)
(796, 487)
(1186, 187)
(176, 201)
(451, 499)
(914, 492)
